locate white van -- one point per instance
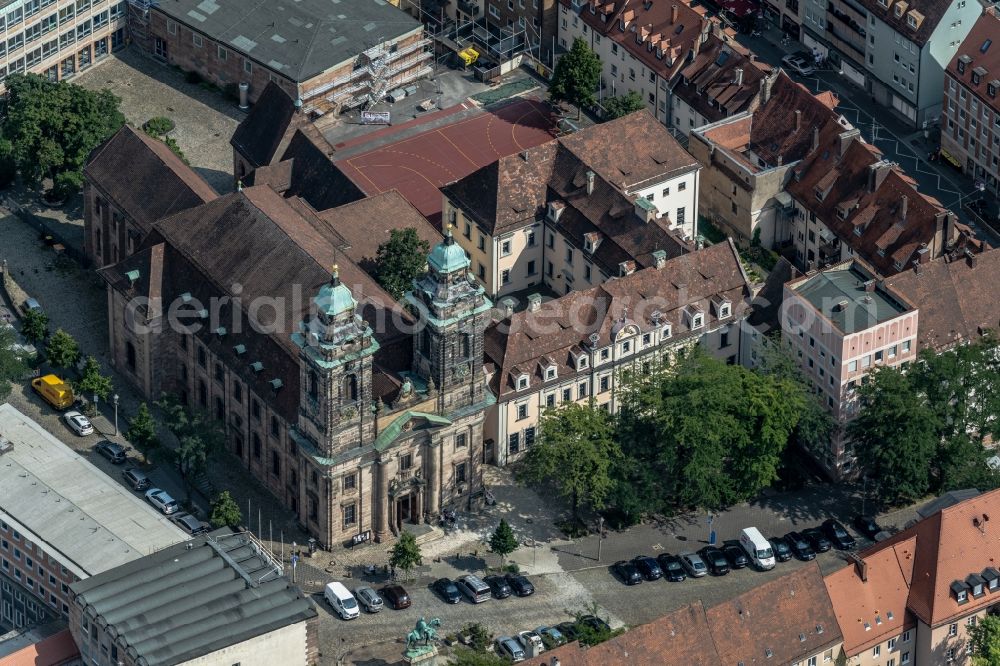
(758, 548)
(342, 601)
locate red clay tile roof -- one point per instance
(871, 611)
(270, 123)
(951, 544)
(159, 183)
(55, 650)
(709, 83)
(986, 29)
(957, 301)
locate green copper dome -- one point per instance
(447, 256)
(334, 298)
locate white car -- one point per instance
(78, 423)
(161, 500)
(798, 64)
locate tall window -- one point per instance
(256, 446)
(130, 355)
(275, 463)
(466, 345)
(313, 385)
(351, 388)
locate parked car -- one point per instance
(162, 500)
(648, 567)
(395, 596)
(528, 638)
(867, 526)
(798, 64)
(189, 523)
(475, 589)
(817, 539)
(78, 423)
(735, 555)
(498, 586)
(447, 589)
(568, 630)
(341, 601)
(715, 559)
(507, 647)
(800, 546)
(839, 535)
(671, 567)
(782, 552)
(627, 572)
(113, 452)
(369, 599)
(136, 478)
(694, 565)
(551, 637)
(31, 304)
(594, 623)
(520, 585)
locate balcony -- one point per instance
(843, 40)
(468, 7)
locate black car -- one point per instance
(395, 596)
(715, 560)
(782, 552)
(671, 567)
(648, 567)
(447, 589)
(595, 623)
(627, 572)
(735, 554)
(569, 630)
(113, 452)
(867, 526)
(520, 585)
(498, 586)
(817, 539)
(800, 546)
(838, 535)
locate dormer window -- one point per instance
(522, 382)
(911, 21)
(992, 578)
(843, 212)
(581, 362)
(820, 194)
(976, 584)
(697, 321)
(665, 332)
(550, 373)
(694, 316)
(860, 229)
(898, 9)
(723, 307)
(991, 89)
(960, 592)
(976, 78)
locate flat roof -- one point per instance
(73, 510)
(828, 290)
(192, 599)
(298, 38)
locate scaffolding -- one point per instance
(138, 22)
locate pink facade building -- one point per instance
(839, 325)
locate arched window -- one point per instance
(313, 385)
(130, 355)
(350, 388)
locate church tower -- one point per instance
(454, 311)
(336, 349)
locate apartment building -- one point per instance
(896, 50)
(330, 57)
(839, 324)
(578, 347)
(912, 599)
(970, 121)
(572, 212)
(748, 159)
(62, 520)
(59, 38)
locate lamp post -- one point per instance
(600, 536)
(95, 404)
(114, 399)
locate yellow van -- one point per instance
(54, 391)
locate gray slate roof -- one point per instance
(193, 599)
(77, 513)
(299, 39)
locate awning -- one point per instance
(951, 160)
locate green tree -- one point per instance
(985, 639)
(405, 553)
(50, 128)
(199, 439)
(142, 432)
(35, 326)
(62, 350)
(576, 77)
(574, 453)
(399, 260)
(894, 436)
(815, 424)
(479, 636)
(502, 541)
(465, 657)
(12, 365)
(225, 511)
(92, 382)
(622, 105)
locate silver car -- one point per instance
(189, 523)
(162, 500)
(369, 599)
(509, 648)
(694, 565)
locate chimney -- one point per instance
(590, 182)
(659, 258)
(507, 308)
(781, 159)
(534, 302)
(869, 286)
(738, 76)
(949, 227)
(970, 257)
(902, 208)
(877, 173)
(846, 138)
(646, 210)
(554, 661)
(923, 254)
(815, 145)
(673, 14)
(765, 88)
(798, 120)
(860, 567)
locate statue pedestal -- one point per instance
(425, 655)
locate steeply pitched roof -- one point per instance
(299, 38)
(926, 13)
(723, 79)
(780, 622)
(950, 545)
(193, 599)
(957, 298)
(562, 327)
(159, 183)
(872, 610)
(680, 637)
(981, 49)
(270, 122)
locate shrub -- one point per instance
(159, 126)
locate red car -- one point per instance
(395, 596)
